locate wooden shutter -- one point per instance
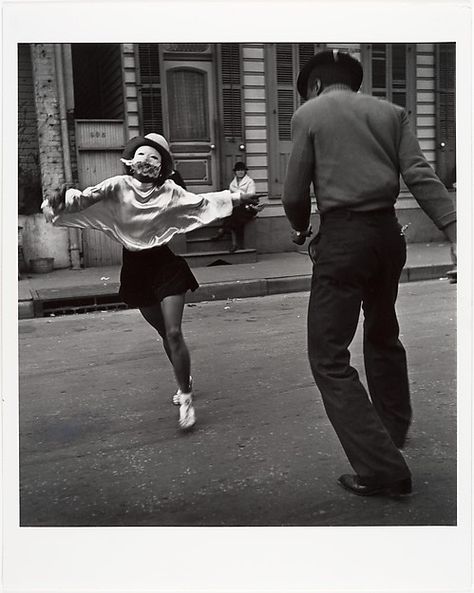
(285, 76)
(150, 88)
(98, 80)
(231, 90)
(305, 52)
(231, 128)
(446, 112)
(285, 61)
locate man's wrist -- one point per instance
(451, 232)
(299, 237)
(305, 232)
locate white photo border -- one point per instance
(236, 559)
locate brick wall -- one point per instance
(29, 185)
(27, 135)
(47, 113)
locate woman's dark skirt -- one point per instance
(148, 276)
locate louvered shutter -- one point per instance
(289, 58)
(305, 52)
(446, 112)
(231, 105)
(150, 88)
(285, 89)
(231, 90)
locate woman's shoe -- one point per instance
(175, 397)
(187, 415)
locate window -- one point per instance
(188, 105)
(150, 87)
(389, 73)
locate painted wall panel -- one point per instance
(253, 121)
(254, 66)
(255, 108)
(131, 108)
(425, 59)
(427, 84)
(254, 93)
(253, 80)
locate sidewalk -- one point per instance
(95, 288)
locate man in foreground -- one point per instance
(353, 149)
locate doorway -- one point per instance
(99, 132)
(190, 122)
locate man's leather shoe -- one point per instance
(398, 488)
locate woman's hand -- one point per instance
(250, 198)
(55, 203)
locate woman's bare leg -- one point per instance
(154, 316)
(172, 310)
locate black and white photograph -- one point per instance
(239, 333)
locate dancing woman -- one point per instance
(143, 209)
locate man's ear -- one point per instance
(314, 87)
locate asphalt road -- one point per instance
(99, 444)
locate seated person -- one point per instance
(235, 223)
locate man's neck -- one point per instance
(337, 86)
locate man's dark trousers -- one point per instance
(357, 260)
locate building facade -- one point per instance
(216, 104)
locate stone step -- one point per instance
(204, 244)
(220, 257)
(204, 232)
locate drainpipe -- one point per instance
(73, 234)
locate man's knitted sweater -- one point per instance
(354, 148)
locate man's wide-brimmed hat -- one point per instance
(326, 58)
(158, 142)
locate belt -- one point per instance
(347, 214)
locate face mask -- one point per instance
(146, 166)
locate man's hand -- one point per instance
(453, 274)
(454, 253)
(299, 237)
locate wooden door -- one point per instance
(190, 92)
(99, 148)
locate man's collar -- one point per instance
(338, 86)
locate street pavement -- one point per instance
(99, 443)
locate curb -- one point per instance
(100, 297)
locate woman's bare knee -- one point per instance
(174, 337)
